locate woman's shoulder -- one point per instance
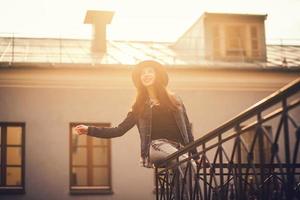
(176, 99)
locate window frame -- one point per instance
(216, 41)
(5, 189)
(231, 31)
(102, 190)
(255, 52)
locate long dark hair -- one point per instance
(165, 97)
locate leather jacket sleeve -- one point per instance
(190, 133)
(111, 132)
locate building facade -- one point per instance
(56, 84)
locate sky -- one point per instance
(141, 20)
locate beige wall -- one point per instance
(48, 100)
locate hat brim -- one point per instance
(160, 70)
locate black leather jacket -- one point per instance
(143, 123)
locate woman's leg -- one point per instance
(159, 150)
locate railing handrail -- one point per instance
(268, 101)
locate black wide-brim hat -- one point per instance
(160, 72)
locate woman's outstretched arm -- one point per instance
(109, 132)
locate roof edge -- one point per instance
(22, 66)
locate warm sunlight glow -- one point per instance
(153, 20)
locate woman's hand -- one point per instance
(81, 129)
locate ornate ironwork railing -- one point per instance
(255, 155)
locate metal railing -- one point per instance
(255, 155)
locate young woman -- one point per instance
(160, 116)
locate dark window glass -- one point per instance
(12, 153)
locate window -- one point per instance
(12, 158)
(90, 163)
(235, 41)
(254, 41)
(216, 41)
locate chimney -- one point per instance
(99, 20)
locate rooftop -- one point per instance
(21, 51)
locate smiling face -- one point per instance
(147, 76)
